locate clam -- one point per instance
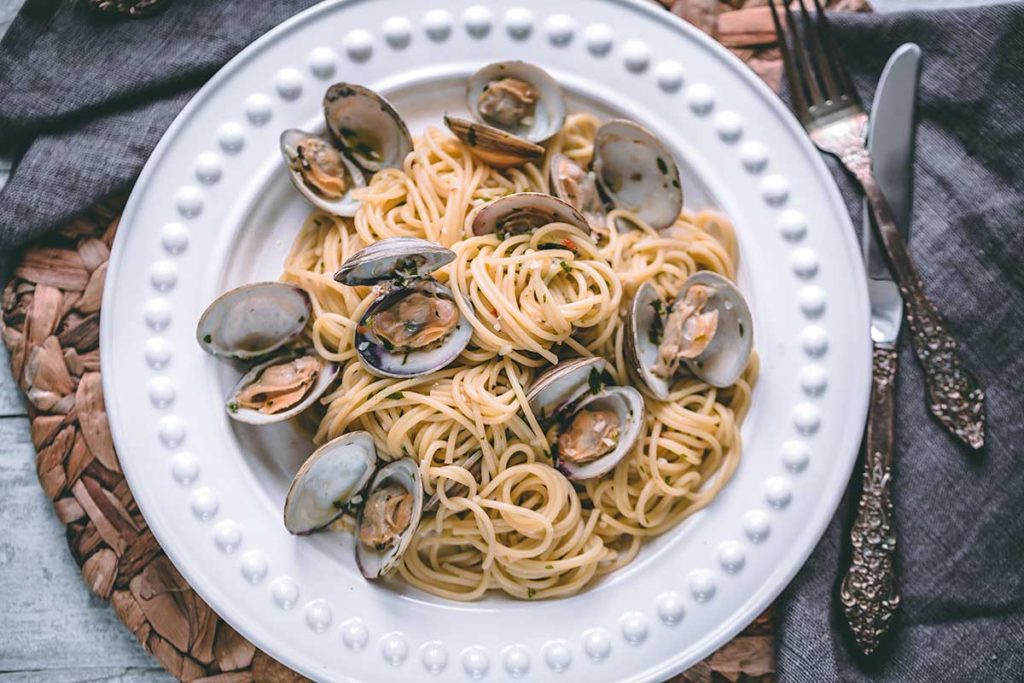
(707, 329)
(280, 388)
(515, 106)
(366, 134)
(631, 170)
(330, 482)
(253, 320)
(493, 146)
(388, 517)
(321, 172)
(524, 212)
(366, 127)
(414, 326)
(590, 424)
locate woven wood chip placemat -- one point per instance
(50, 324)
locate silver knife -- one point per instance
(869, 591)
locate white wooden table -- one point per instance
(51, 627)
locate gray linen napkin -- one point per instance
(959, 515)
(90, 97)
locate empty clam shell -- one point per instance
(637, 172)
(562, 384)
(493, 146)
(253, 320)
(524, 212)
(376, 561)
(366, 127)
(329, 481)
(325, 375)
(391, 258)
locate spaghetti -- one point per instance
(515, 523)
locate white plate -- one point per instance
(214, 209)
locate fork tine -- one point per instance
(822, 66)
(797, 87)
(814, 92)
(836, 60)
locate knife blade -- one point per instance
(891, 144)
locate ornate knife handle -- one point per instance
(869, 592)
(955, 396)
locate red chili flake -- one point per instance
(569, 243)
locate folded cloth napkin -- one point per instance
(92, 96)
(959, 521)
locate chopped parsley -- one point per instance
(396, 396)
(741, 327)
(530, 592)
(662, 166)
(208, 339)
(549, 566)
(657, 329)
(565, 266)
(233, 407)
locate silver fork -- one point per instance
(827, 104)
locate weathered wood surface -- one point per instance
(49, 620)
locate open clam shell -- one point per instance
(382, 361)
(558, 395)
(391, 258)
(723, 360)
(641, 341)
(637, 172)
(548, 111)
(294, 149)
(375, 562)
(330, 481)
(366, 127)
(253, 320)
(524, 212)
(325, 376)
(628, 405)
(491, 145)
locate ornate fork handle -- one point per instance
(955, 396)
(869, 592)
